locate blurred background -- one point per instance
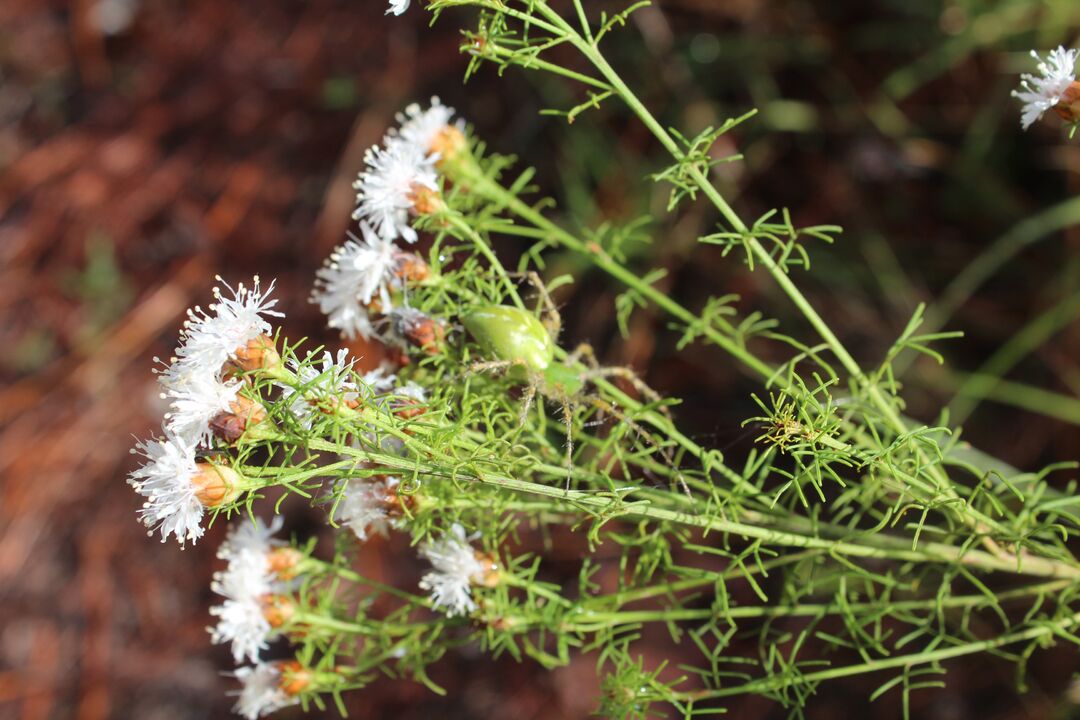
(147, 145)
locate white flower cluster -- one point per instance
(245, 584)
(361, 276)
(456, 569)
(1042, 92)
(261, 693)
(198, 390)
(365, 506)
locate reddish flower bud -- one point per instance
(490, 575)
(426, 201)
(409, 408)
(295, 678)
(420, 331)
(243, 413)
(284, 560)
(259, 354)
(411, 268)
(448, 143)
(216, 484)
(278, 609)
(1068, 108)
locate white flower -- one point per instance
(356, 273)
(380, 380)
(246, 581)
(321, 387)
(1039, 94)
(412, 391)
(261, 693)
(247, 538)
(386, 191)
(166, 481)
(195, 400)
(210, 338)
(242, 623)
(364, 504)
(456, 567)
(397, 7)
(422, 127)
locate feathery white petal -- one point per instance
(165, 480)
(356, 273)
(261, 693)
(454, 567)
(1041, 92)
(385, 191)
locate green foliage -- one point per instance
(851, 539)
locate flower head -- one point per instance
(211, 337)
(380, 380)
(365, 506)
(247, 581)
(413, 328)
(356, 275)
(425, 128)
(176, 488)
(1041, 93)
(412, 391)
(195, 401)
(262, 691)
(397, 175)
(398, 7)
(456, 569)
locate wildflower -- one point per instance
(411, 268)
(259, 353)
(177, 488)
(323, 388)
(1040, 94)
(418, 329)
(388, 190)
(380, 380)
(356, 274)
(247, 583)
(249, 545)
(432, 130)
(457, 568)
(398, 7)
(240, 419)
(366, 504)
(211, 337)
(262, 692)
(195, 401)
(412, 391)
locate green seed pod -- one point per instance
(511, 334)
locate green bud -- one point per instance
(511, 334)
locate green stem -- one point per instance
(325, 622)
(1019, 395)
(591, 619)
(604, 505)
(877, 397)
(1012, 352)
(993, 258)
(353, 576)
(770, 684)
(487, 187)
(458, 223)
